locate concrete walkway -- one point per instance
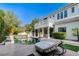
(71, 42)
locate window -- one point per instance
(57, 16)
(65, 13)
(72, 9)
(61, 15)
(62, 29)
(45, 18)
(53, 16)
(50, 16)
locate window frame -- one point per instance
(58, 16)
(61, 15)
(73, 9)
(65, 14)
(61, 29)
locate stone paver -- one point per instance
(70, 53)
(17, 50)
(71, 42)
(24, 50)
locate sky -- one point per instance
(26, 12)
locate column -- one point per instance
(12, 39)
(42, 32)
(34, 33)
(38, 32)
(48, 30)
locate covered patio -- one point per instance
(43, 32)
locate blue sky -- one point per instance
(28, 11)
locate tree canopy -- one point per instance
(8, 24)
(30, 27)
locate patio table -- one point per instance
(45, 47)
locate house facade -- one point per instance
(65, 19)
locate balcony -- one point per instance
(44, 23)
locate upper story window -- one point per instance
(50, 17)
(57, 16)
(65, 13)
(72, 9)
(61, 15)
(45, 18)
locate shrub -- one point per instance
(59, 35)
(15, 39)
(28, 42)
(2, 39)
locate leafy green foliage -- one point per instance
(75, 31)
(12, 22)
(30, 27)
(59, 35)
(8, 24)
(28, 42)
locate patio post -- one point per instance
(42, 32)
(34, 33)
(48, 30)
(38, 32)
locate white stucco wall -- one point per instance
(69, 13)
(52, 19)
(69, 27)
(76, 11)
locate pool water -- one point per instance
(26, 42)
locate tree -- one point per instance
(2, 26)
(34, 21)
(30, 27)
(12, 22)
(8, 24)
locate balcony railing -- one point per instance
(43, 23)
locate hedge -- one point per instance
(59, 35)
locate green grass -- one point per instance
(71, 47)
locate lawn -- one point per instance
(71, 47)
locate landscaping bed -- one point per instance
(71, 47)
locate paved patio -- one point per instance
(24, 50)
(76, 43)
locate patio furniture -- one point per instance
(45, 47)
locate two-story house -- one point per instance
(65, 19)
